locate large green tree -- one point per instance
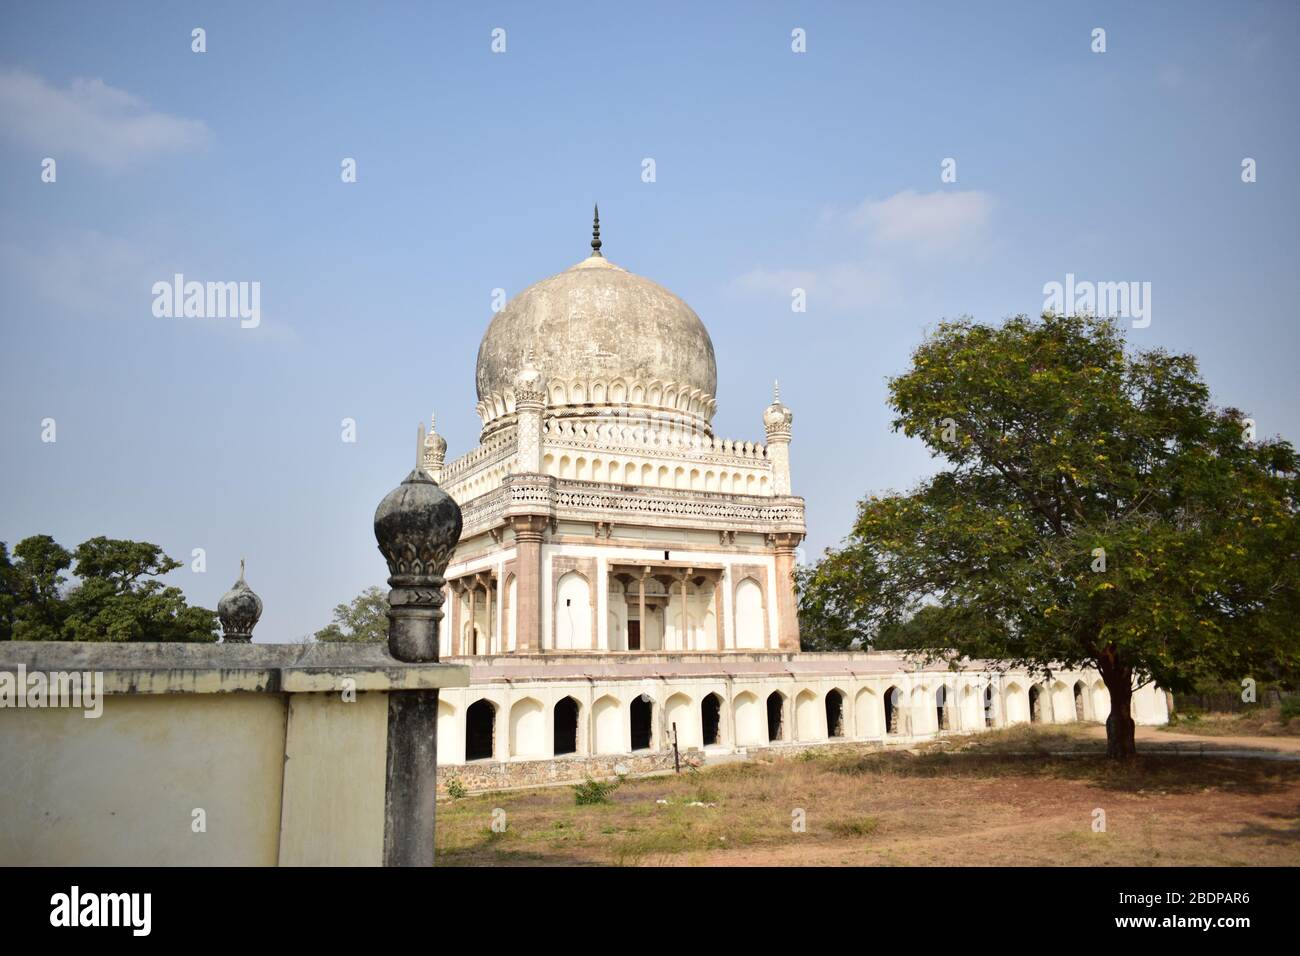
(115, 595)
(365, 618)
(1094, 509)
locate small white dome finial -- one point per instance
(776, 392)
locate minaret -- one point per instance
(777, 420)
(435, 451)
(530, 399)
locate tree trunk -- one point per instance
(1120, 726)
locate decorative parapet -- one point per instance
(638, 439)
(497, 448)
(615, 394)
(561, 499)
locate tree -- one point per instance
(364, 619)
(38, 581)
(1096, 510)
(113, 599)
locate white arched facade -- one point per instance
(522, 710)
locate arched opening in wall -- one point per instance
(566, 726)
(1013, 704)
(988, 706)
(942, 715)
(641, 714)
(711, 720)
(835, 714)
(607, 725)
(480, 730)
(528, 728)
(1078, 700)
(866, 714)
(1100, 702)
(807, 717)
(893, 704)
(748, 720)
(775, 716)
(679, 722)
(1035, 704)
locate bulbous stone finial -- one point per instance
(777, 419)
(417, 526)
(239, 610)
(435, 451)
(595, 233)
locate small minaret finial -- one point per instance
(595, 233)
(776, 392)
(241, 569)
(419, 447)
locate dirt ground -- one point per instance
(1001, 799)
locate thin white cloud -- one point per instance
(90, 119)
(926, 222)
(909, 234)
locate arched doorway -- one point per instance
(480, 730)
(988, 706)
(641, 715)
(1036, 704)
(566, 726)
(942, 717)
(775, 716)
(1078, 700)
(834, 714)
(893, 704)
(711, 720)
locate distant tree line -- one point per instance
(115, 595)
(363, 619)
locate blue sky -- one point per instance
(478, 170)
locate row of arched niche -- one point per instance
(615, 726)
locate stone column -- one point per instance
(528, 582)
(487, 587)
(640, 583)
(718, 629)
(787, 614)
(416, 526)
(473, 617)
(684, 638)
(453, 592)
(600, 635)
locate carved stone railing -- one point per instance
(491, 452)
(644, 440)
(620, 504)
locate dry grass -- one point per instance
(1260, 722)
(1000, 799)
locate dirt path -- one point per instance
(1153, 735)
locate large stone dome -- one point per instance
(606, 342)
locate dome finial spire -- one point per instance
(595, 232)
(776, 392)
